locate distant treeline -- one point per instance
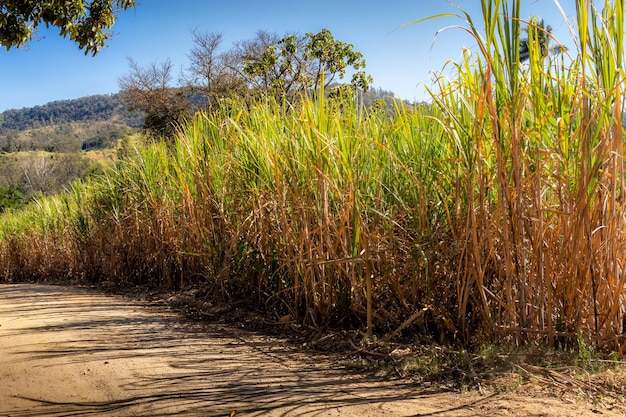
(85, 109)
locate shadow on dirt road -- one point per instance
(74, 352)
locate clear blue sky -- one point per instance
(400, 59)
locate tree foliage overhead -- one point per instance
(85, 22)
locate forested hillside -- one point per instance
(93, 122)
(44, 148)
(84, 109)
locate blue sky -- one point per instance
(401, 59)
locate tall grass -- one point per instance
(497, 211)
(542, 163)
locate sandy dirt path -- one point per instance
(74, 352)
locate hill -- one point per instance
(93, 122)
(44, 148)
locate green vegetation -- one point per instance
(267, 65)
(494, 214)
(44, 148)
(85, 22)
(98, 108)
(87, 123)
(33, 174)
(10, 198)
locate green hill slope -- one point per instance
(93, 122)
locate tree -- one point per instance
(208, 73)
(538, 40)
(253, 61)
(85, 22)
(333, 57)
(267, 65)
(289, 65)
(150, 90)
(272, 65)
(39, 173)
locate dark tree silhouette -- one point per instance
(541, 34)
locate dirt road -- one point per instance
(74, 352)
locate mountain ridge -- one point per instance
(97, 107)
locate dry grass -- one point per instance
(497, 213)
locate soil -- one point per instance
(67, 351)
